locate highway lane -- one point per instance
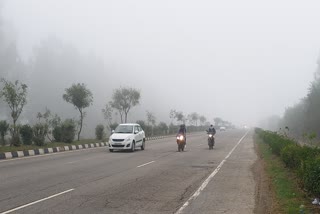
(157, 180)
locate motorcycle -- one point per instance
(210, 140)
(181, 141)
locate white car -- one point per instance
(222, 128)
(127, 136)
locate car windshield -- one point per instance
(124, 129)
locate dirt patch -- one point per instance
(265, 202)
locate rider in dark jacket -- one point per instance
(212, 130)
(183, 131)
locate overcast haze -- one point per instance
(239, 60)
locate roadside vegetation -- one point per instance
(293, 169)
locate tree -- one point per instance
(172, 114)
(81, 98)
(107, 113)
(180, 117)
(203, 120)
(123, 100)
(151, 120)
(4, 127)
(218, 121)
(15, 95)
(163, 127)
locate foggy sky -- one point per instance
(239, 60)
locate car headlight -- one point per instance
(128, 139)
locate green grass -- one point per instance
(288, 194)
(47, 145)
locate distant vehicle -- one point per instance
(222, 128)
(127, 136)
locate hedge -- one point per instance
(303, 160)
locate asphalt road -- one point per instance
(157, 180)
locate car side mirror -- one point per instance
(136, 131)
(112, 131)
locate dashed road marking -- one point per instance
(145, 164)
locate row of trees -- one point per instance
(15, 95)
(302, 121)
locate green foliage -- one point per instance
(81, 98)
(26, 133)
(312, 175)
(123, 99)
(99, 132)
(15, 95)
(57, 133)
(40, 131)
(304, 160)
(68, 129)
(4, 127)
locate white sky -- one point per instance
(240, 60)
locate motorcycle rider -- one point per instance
(211, 130)
(183, 131)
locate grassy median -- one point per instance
(288, 195)
(47, 145)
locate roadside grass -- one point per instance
(47, 145)
(289, 196)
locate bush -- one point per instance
(4, 127)
(312, 176)
(303, 159)
(57, 133)
(26, 133)
(68, 130)
(99, 132)
(291, 155)
(39, 133)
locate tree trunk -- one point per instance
(81, 119)
(126, 115)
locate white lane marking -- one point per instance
(142, 165)
(205, 183)
(35, 202)
(49, 154)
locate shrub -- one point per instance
(26, 133)
(57, 133)
(39, 133)
(291, 155)
(68, 130)
(99, 132)
(4, 127)
(312, 176)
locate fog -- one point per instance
(239, 60)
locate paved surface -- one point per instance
(157, 180)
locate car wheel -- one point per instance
(110, 150)
(133, 147)
(143, 144)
